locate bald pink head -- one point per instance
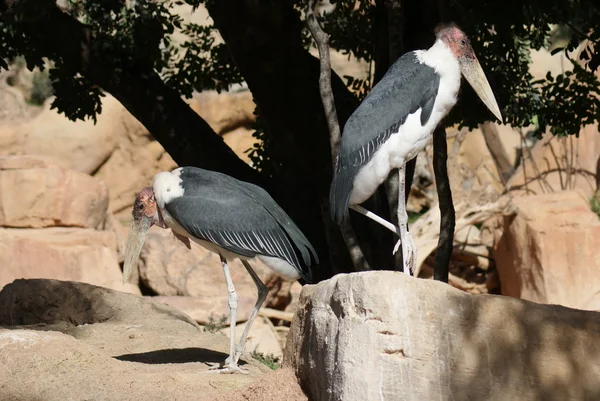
(456, 40)
(145, 204)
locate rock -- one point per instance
(167, 267)
(106, 345)
(193, 280)
(279, 295)
(204, 309)
(131, 167)
(547, 253)
(37, 193)
(240, 140)
(13, 110)
(473, 168)
(84, 255)
(262, 338)
(75, 305)
(295, 290)
(384, 335)
(77, 145)
(225, 111)
(557, 164)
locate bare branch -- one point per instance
(496, 148)
(322, 40)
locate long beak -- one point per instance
(472, 71)
(135, 241)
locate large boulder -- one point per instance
(78, 145)
(131, 167)
(384, 335)
(560, 163)
(548, 251)
(167, 267)
(35, 192)
(225, 111)
(84, 255)
(72, 341)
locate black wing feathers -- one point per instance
(241, 218)
(406, 87)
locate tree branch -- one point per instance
(447, 221)
(496, 148)
(322, 40)
(265, 42)
(182, 132)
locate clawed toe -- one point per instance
(227, 368)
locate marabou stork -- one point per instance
(394, 123)
(232, 218)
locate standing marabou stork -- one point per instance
(232, 218)
(395, 120)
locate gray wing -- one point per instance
(406, 87)
(241, 218)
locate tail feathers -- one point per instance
(339, 195)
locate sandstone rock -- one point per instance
(295, 290)
(224, 111)
(13, 110)
(36, 193)
(240, 140)
(106, 345)
(81, 145)
(60, 253)
(473, 168)
(208, 309)
(167, 267)
(262, 338)
(131, 166)
(547, 253)
(384, 335)
(557, 164)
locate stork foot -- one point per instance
(227, 368)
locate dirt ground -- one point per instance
(72, 341)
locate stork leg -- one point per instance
(262, 295)
(374, 217)
(408, 246)
(230, 364)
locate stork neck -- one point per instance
(440, 58)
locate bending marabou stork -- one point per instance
(394, 123)
(232, 218)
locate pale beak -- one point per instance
(135, 241)
(473, 73)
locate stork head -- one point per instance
(145, 214)
(460, 45)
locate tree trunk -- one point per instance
(496, 148)
(183, 134)
(264, 39)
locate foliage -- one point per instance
(595, 204)
(140, 35)
(502, 36)
(41, 87)
(141, 38)
(213, 326)
(269, 360)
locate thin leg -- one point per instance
(375, 218)
(230, 364)
(408, 247)
(262, 295)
